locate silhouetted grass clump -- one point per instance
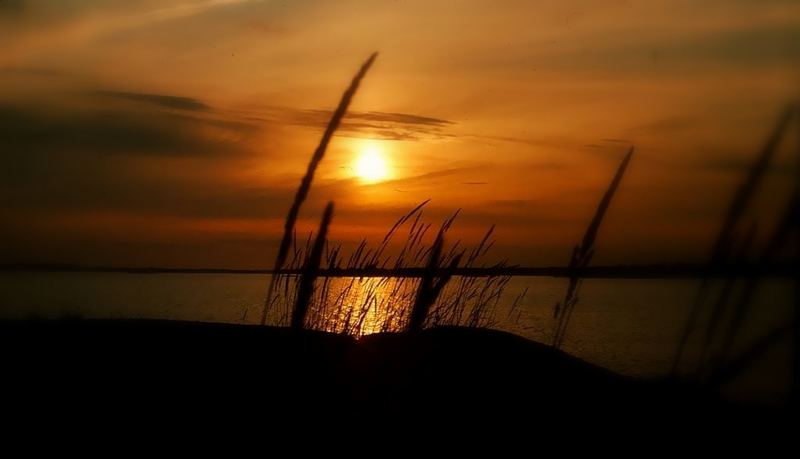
(357, 305)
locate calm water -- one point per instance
(629, 326)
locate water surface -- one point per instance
(629, 326)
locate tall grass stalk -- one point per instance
(582, 255)
(778, 240)
(424, 290)
(723, 245)
(305, 183)
(305, 289)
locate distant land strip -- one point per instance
(651, 271)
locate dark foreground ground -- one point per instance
(471, 376)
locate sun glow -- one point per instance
(370, 165)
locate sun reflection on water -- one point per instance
(362, 306)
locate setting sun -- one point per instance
(370, 165)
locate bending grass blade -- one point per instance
(305, 184)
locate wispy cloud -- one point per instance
(56, 128)
(373, 124)
(161, 100)
(75, 22)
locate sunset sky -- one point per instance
(175, 132)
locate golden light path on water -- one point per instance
(362, 306)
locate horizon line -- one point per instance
(622, 271)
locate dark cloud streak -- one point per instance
(160, 100)
(11, 6)
(105, 131)
(384, 125)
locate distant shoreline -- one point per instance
(654, 271)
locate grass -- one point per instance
(305, 183)
(582, 255)
(430, 286)
(325, 309)
(305, 288)
(725, 250)
(358, 305)
(402, 303)
(417, 289)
